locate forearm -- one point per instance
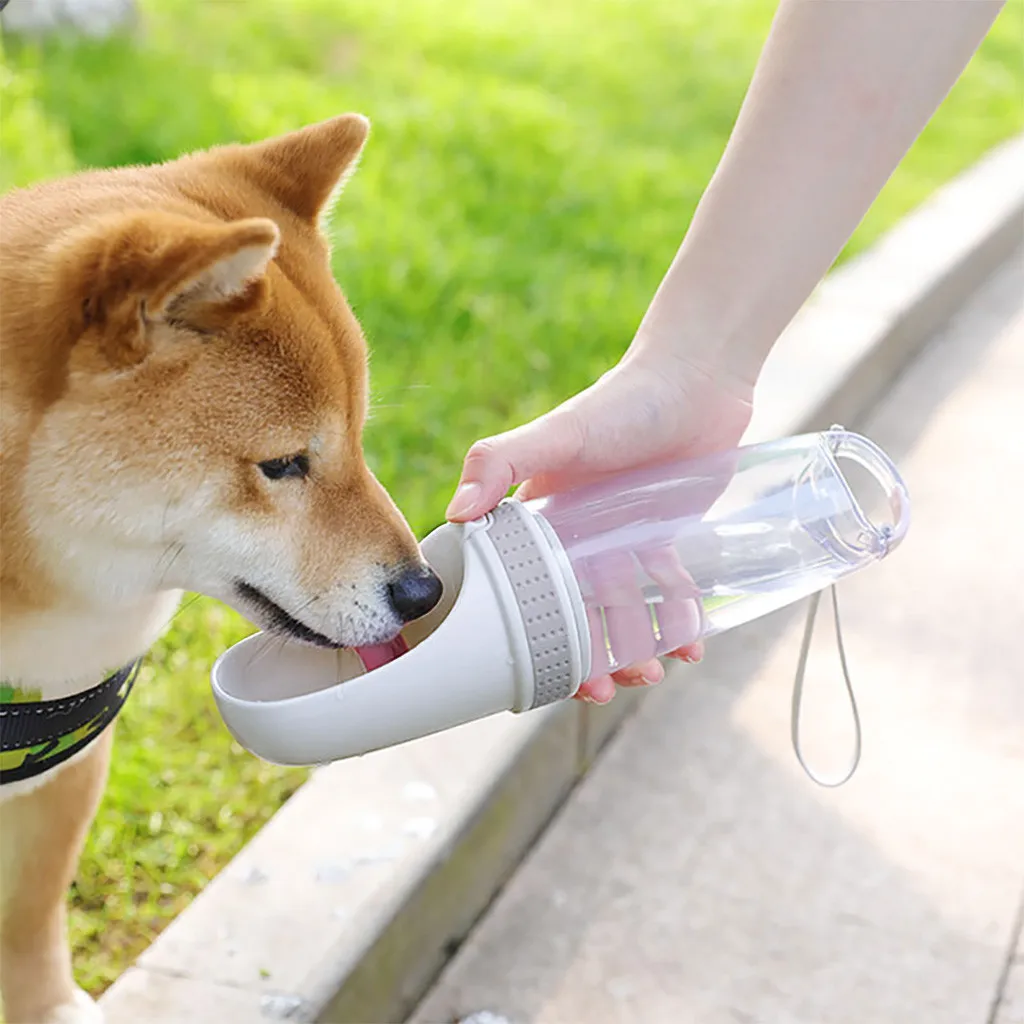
(842, 89)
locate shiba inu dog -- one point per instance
(183, 395)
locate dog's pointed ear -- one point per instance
(130, 271)
(305, 169)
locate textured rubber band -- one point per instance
(547, 631)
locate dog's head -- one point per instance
(206, 433)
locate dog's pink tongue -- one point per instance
(380, 654)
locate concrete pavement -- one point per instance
(697, 876)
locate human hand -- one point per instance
(650, 408)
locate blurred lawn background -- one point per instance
(532, 168)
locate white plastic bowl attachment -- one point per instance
(472, 656)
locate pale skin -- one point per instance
(840, 92)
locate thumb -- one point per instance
(495, 464)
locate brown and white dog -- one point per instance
(183, 395)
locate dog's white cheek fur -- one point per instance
(108, 538)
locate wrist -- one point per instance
(708, 363)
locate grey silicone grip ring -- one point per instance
(544, 616)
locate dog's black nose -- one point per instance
(415, 592)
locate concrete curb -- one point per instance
(348, 903)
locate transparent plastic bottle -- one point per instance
(668, 555)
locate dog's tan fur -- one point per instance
(164, 330)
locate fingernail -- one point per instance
(652, 673)
(463, 500)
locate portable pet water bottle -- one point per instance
(542, 595)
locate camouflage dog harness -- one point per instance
(37, 735)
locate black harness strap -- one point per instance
(45, 733)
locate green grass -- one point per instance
(532, 169)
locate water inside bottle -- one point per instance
(628, 633)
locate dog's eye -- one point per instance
(291, 465)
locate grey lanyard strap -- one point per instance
(798, 693)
